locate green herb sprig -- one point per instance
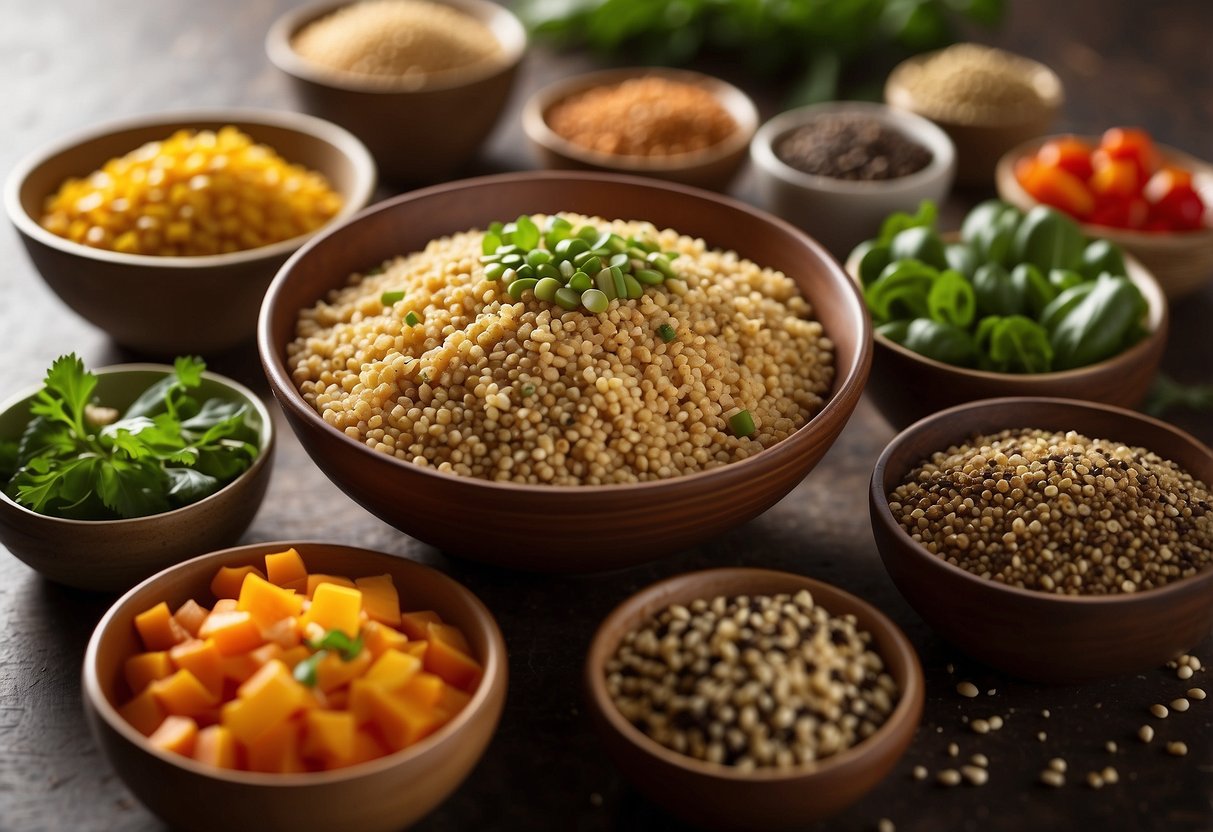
(168, 449)
(334, 641)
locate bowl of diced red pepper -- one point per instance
(1156, 202)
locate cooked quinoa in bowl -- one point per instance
(428, 359)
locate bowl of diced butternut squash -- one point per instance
(295, 687)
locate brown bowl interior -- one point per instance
(113, 555)
(584, 528)
(1181, 262)
(385, 794)
(128, 295)
(906, 386)
(721, 798)
(1036, 635)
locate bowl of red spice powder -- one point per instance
(670, 124)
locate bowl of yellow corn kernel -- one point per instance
(164, 230)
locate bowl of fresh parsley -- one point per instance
(109, 476)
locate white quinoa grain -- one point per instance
(953, 750)
(1196, 693)
(1052, 778)
(980, 726)
(919, 773)
(1110, 775)
(1145, 733)
(1110, 746)
(885, 825)
(1058, 764)
(980, 760)
(1180, 705)
(948, 777)
(1159, 711)
(976, 775)
(1177, 749)
(1095, 780)
(1184, 672)
(967, 689)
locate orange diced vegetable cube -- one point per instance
(268, 604)
(266, 653)
(454, 666)
(239, 667)
(316, 579)
(449, 635)
(203, 660)
(142, 669)
(233, 632)
(268, 698)
(190, 616)
(367, 746)
(229, 579)
(391, 670)
(451, 702)
(276, 749)
(424, 689)
(296, 654)
(338, 700)
(380, 600)
(416, 648)
(359, 703)
(333, 671)
(379, 637)
(144, 712)
(176, 734)
(215, 746)
(401, 721)
(225, 605)
(158, 629)
(328, 736)
(413, 624)
(335, 608)
(182, 694)
(282, 568)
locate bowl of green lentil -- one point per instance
(749, 698)
(457, 400)
(1053, 539)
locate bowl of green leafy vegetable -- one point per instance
(1014, 304)
(108, 476)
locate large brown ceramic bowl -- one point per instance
(719, 797)
(906, 386)
(564, 528)
(713, 167)
(1181, 261)
(1030, 634)
(168, 306)
(382, 795)
(419, 128)
(114, 555)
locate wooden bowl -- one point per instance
(382, 795)
(419, 129)
(841, 213)
(713, 167)
(720, 797)
(1030, 634)
(113, 555)
(979, 145)
(580, 528)
(168, 306)
(1181, 261)
(906, 386)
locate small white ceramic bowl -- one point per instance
(842, 213)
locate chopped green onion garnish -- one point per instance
(390, 298)
(411, 319)
(741, 423)
(305, 671)
(349, 648)
(667, 333)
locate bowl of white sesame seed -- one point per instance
(1053, 539)
(692, 381)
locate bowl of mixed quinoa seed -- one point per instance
(1054, 539)
(748, 698)
(565, 371)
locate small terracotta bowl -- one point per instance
(719, 797)
(419, 129)
(113, 555)
(167, 306)
(713, 167)
(1030, 634)
(581, 528)
(382, 795)
(841, 213)
(980, 144)
(906, 386)
(1181, 262)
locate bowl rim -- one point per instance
(268, 435)
(1009, 190)
(340, 139)
(878, 498)
(656, 594)
(511, 35)
(848, 381)
(494, 665)
(1052, 95)
(736, 102)
(913, 126)
(1142, 277)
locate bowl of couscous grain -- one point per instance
(643, 367)
(165, 229)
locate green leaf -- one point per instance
(48, 438)
(9, 450)
(305, 671)
(899, 221)
(73, 385)
(225, 461)
(214, 412)
(132, 488)
(526, 233)
(189, 486)
(188, 370)
(347, 647)
(1168, 394)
